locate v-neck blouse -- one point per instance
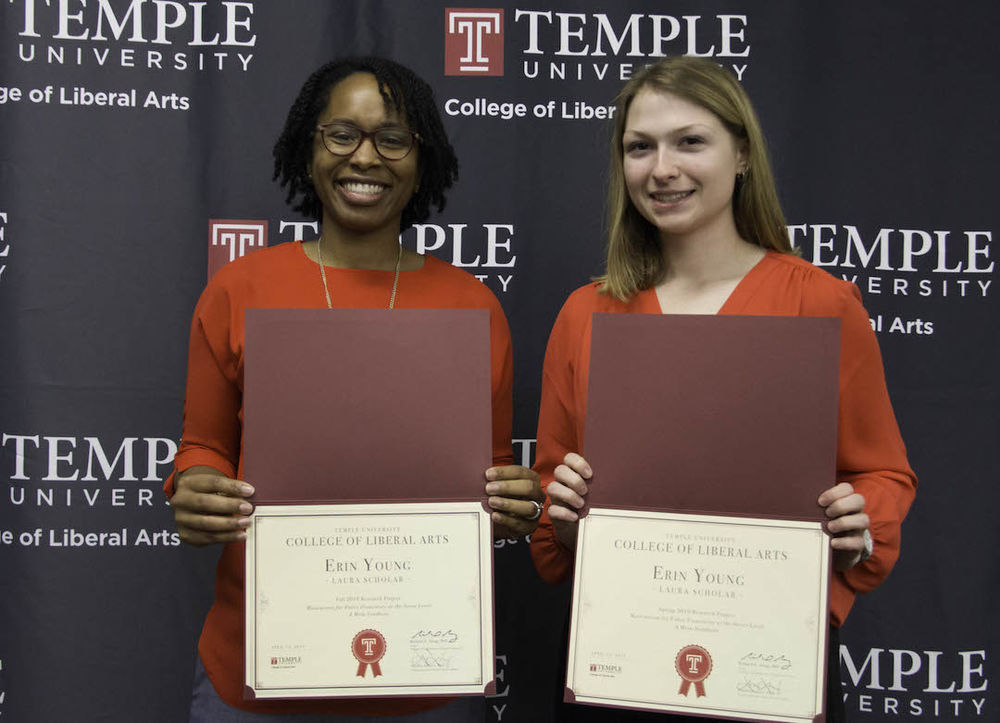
(870, 451)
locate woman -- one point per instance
(364, 151)
(695, 228)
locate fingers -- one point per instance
(848, 522)
(214, 483)
(509, 526)
(847, 550)
(578, 464)
(838, 491)
(849, 525)
(566, 498)
(207, 530)
(572, 479)
(523, 509)
(514, 481)
(209, 507)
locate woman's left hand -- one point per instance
(516, 498)
(848, 523)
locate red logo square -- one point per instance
(229, 239)
(473, 41)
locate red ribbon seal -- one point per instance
(693, 664)
(368, 647)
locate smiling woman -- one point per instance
(695, 227)
(364, 151)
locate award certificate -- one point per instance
(369, 600)
(696, 614)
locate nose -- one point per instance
(666, 165)
(365, 155)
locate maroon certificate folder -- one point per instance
(701, 569)
(354, 405)
(713, 414)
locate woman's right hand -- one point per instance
(566, 493)
(209, 507)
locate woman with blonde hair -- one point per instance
(695, 227)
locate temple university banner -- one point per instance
(136, 150)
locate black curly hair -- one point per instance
(403, 91)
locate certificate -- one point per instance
(702, 564)
(369, 600)
(693, 614)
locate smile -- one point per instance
(362, 189)
(670, 197)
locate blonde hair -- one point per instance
(635, 258)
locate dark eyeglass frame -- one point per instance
(362, 135)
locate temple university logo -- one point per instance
(473, 43)
(229, 239)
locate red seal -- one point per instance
(368, 647)
(693, 664)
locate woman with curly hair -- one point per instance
(364, 152)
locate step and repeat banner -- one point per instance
(136, 146)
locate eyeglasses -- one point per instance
(342, 139)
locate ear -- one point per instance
(742, 158)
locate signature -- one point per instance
(759, 687)
(423, 658)
(775, 661)
(434, 636)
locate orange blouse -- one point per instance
(284, 277)
(870, 451)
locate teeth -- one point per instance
(667, 197)
(369, 188)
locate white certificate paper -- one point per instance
(695, 614)
(369, 600)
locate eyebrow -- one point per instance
(690, 127)
(380, 126)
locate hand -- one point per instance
(515, 495)
(566, 492)
(209, 507)
(848, 523)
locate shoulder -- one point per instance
(455, 285)
(579, 308)
(243, 280)
(273, 262)
(588, 300)
(822, 293)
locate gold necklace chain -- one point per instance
(326, 289)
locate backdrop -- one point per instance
(136, 146)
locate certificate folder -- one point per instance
(702, 564)
(369, 560)
(718, 414)
(354, 405)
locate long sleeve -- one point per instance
(502, 382)
(560, 429)
(213, 399)
(870, 451)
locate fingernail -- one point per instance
(491, 473)
(244, 522)
(246, 489)
(245, 508)
(492, 488)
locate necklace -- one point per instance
(326, 289)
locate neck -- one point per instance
(377, 250)
(708, 254)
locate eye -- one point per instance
(636, 146)
(393, 139)
(342, 135)
(692, 141)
